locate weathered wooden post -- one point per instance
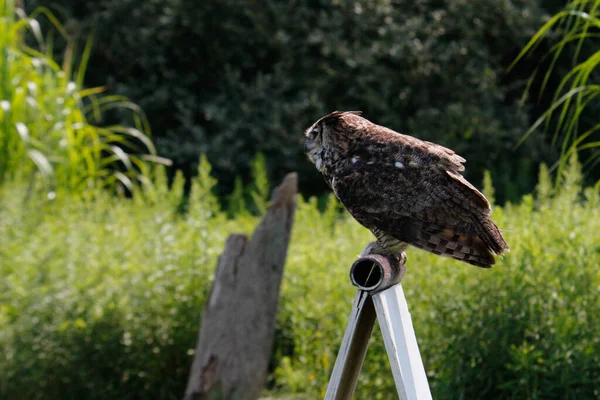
(238, 325)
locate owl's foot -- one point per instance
(376, 248)
(384, 266)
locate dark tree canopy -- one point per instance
(230, 78)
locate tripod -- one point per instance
(379, 294)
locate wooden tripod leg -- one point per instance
(353, 349)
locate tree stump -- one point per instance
(238, 325)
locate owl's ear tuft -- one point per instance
(340, 113)
(336, 115)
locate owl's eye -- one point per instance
(315, 131)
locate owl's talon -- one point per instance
(376, 248)
(402, 258)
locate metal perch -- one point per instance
(380, 294)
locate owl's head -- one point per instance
(333, 133)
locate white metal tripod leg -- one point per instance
(401, 344)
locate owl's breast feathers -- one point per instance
(403, 188)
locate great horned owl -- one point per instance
(405, 190)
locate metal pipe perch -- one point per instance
(380, 294)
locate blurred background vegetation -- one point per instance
(101, 300)
(103, 277)
(229, 78)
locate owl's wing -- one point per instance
(416, 195)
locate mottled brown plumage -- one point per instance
(405, 190)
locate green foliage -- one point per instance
(260, 192)
(236, 203)
(571, 179)
(576, 97)
(231, 78)
(203, 204)
(255, 198)
(102, 299)
(544, 189)
(45, 116)
(488, 187)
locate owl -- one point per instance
(404, 190)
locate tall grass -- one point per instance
(103, 300)
(46, 115)
(577, 24)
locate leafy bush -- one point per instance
(576, 126)
(230, 78)
(102, 299)
(45, 116)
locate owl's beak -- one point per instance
(307, 146)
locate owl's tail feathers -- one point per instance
(469, 248)
(491, 235)
(466, 248)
